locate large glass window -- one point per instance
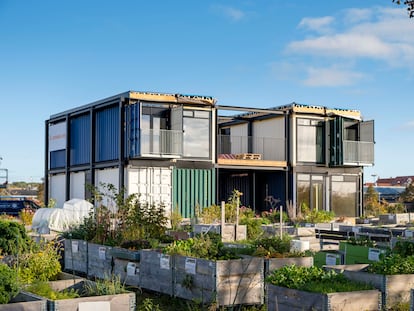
(196, 133)
(310, 191)
(310, 141)
(344, 195)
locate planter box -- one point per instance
(272, 264)
(281, 298)
(156, 271)
(119, 302)
(25, 302)
(76, 256)
(228, 233)
(394, 288)
(128, 271)
(123, 253)
(396, 219)
(100, 261)
(226, 282)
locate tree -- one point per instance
(372, 205)
(408, 194)
(409, 4)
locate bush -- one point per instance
(13, 238)
(41, 263)
(8, 283)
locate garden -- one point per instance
(129, 254)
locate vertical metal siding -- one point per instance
(132, 130)
(80, 142)
(107, 134)
(193, 187)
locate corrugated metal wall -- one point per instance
(132, 130)
(193, 187)
(107, 134)
(80, 141)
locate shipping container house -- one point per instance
(185, 151)
(147, 143)
(309, 156)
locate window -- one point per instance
(310, 141)
(310, 191)
(196, 133)
(344, 195)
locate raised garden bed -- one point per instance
(25, 302)
(282, 298)
(395, 288)
(120, 302)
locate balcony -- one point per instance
(358, 153)
(269, 151)
(162, 143)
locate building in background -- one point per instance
(186, 151)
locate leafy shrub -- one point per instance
(26, 216)
(393, 264)
(129, 219)
(313, 279)
(274, 247)
(207, 246)
(42, 288)
(40, 264)
(404, 248)
(108, 286)
(253, 227)
(273, 215)
(8, 283)
(13, 238)
(361, 241)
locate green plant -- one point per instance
(274, 247)
(253, 227)
(26, 216)
(148, 305)
(393, 264)
(361, 241)
(176, 218)
(108, 286)
(40, 263)
(404, 248)
(42, 288)
(208, 246)
(8, 283)
(313, 279)
(13, 238)
(187, 282)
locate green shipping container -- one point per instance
(191, 188)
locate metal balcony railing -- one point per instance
(358, 152)
(270, 148)
(162, 142)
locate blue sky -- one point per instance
(57, 55)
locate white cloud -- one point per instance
(343, 45)
(359, 37)
(321, 24)
(230, 12)
(357, 15)
(331, 77)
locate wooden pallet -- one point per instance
(248, 156)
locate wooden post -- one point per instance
(223, 217)
(281, 220)
(237, 216)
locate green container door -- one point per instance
(192, 187)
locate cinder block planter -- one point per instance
(286, 299)
(128, 271)
(119, 302)
(76, 256)
(100, 261)
(227, 282)
(394, 288)
(272, 264)
(396, 219)
(156, 271)
(25, 302)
